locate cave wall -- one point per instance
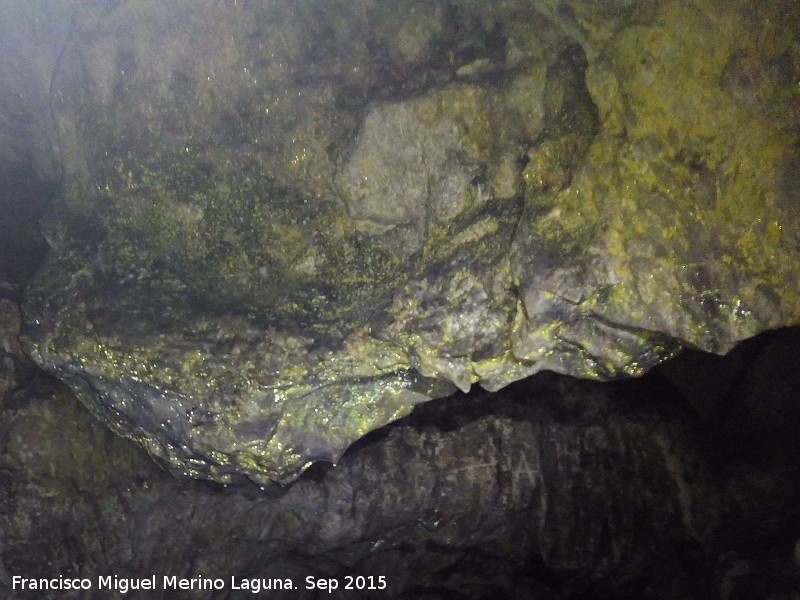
(286, 224)
(552, 488)
(273, 228)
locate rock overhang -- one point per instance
(279, 264)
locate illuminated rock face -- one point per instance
(284, 226)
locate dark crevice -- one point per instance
(23, 199)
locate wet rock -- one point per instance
(553, 486)
(269, 246)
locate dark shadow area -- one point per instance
(23, 199)
(740, 413)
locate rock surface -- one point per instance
(551, 488)
(286, 224)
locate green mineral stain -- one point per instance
(214, 194)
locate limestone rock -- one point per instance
(545, 489)
(284, 227)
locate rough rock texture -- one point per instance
(287, 223)
(9, 346)
(552, 488)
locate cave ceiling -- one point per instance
(285, 224)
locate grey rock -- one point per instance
(285, 226)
